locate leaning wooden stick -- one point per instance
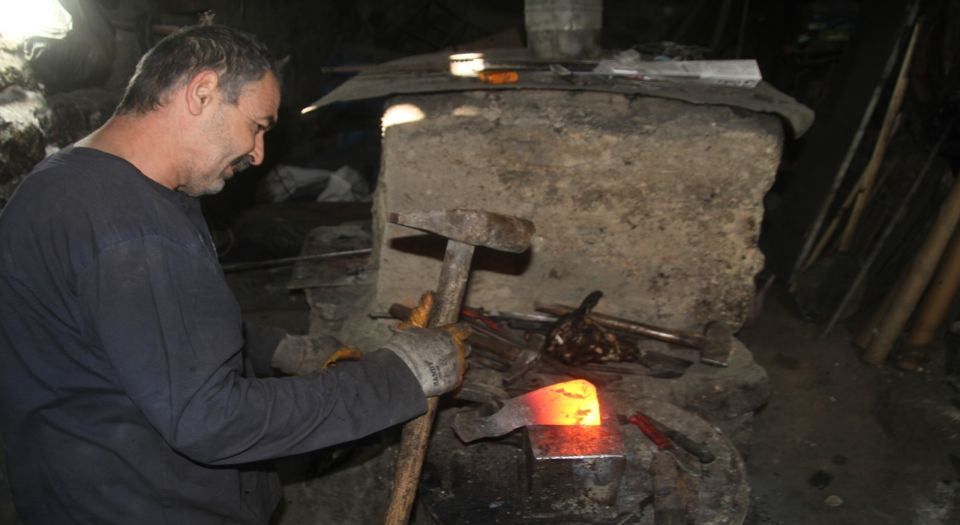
(865, 184)
(935, 305)
(888, 229)
(916, 279)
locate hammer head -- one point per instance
(474, 227)
(717, 344)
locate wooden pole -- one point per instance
(916, 280)
(810, 236)
(835, 222)
(865, 183)
(887, 230)
(869, 330)
(938, 299)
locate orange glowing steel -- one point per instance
(571, 403)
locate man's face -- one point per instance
(233, 136)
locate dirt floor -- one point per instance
(842, 442)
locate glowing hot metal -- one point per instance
(571, 403)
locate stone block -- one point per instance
(656, 202)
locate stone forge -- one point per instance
(656, 202)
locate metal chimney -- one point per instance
(563, 29)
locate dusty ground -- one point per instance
(880, 444)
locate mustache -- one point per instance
(241, 163)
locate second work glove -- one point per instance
(434, 355)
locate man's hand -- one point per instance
(436, 356)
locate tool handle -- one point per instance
(651, 431)
(414, 439)
(698, 449)
(416, 433)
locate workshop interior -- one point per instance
(706, 251)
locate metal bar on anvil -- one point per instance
(569, 403)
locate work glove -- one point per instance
(436, 356)
(305, 354)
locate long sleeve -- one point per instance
(259, 344)
(171, 331)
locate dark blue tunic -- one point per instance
(123, 397)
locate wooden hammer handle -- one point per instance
(416, 433)
(413, 447)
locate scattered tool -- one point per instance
(576, 339)
(527, 320)
(517, 357)
(652, 363)
(472, 317)
(571, 403)
(715, 344)
(512, 353)
(478, 315)
(663, 442)
(464, 229)
(696, 448)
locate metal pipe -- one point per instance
(256, 265)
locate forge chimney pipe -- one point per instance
(563, 29)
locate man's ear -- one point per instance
(200, 91)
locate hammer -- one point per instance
(464, 230)
(715, 344)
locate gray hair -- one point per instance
(238, 58)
